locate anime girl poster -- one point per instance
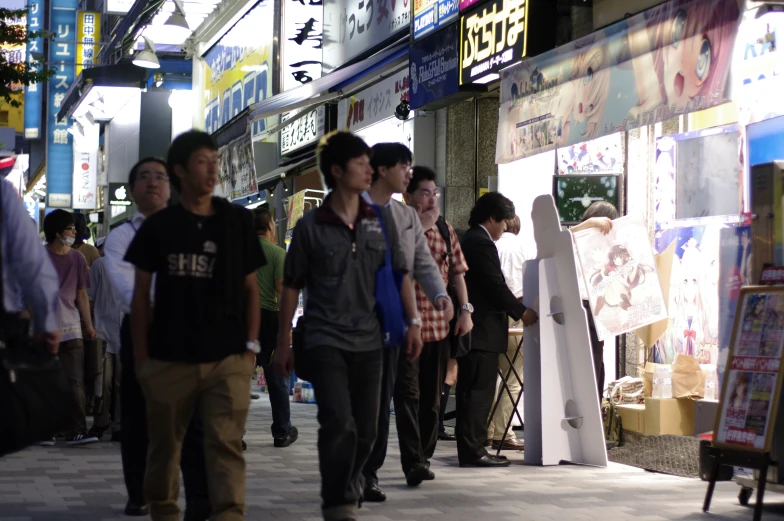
(671, 59)
(601, 156)
(693, 308)
(620, 277)
(224, 186)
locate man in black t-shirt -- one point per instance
(195, 345)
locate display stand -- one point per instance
(504, 378)
(739, 458)
(562, 416)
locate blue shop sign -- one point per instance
(434, 17)
(62, 56)
(32, 93)
(434, 67)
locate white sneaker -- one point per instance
(82, 439)
(46, 443)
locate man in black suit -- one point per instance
(493, 301)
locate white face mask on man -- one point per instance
(68, 241)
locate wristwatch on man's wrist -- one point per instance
(254, 346)
(467, 307)
(415, 322)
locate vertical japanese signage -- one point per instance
(239, 68)
(32, 93)
(352, 27)
(301, 50)
(491, 38)
(88, 29)
(85, 165)
(59, 145)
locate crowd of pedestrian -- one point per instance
(161, 326)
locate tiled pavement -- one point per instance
(85, 484)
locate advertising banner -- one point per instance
(352, 27)
(693, 305)
(491, 38)
(59, 149)
(373, 104)
(301, 49)
(431, 15)
(85, 168)
(296, 209)
(600, 156)
(669, 60)
(305, 131)
(33, 100)
(239, 68)
(749, 398)
(734, 273)
(620, 277)
(88, 30)
(237, 170)
(434, 67)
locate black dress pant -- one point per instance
(392, 357)
(476, 387)
(347, 386)
(418, 403)
(597, 350)
(134, 441)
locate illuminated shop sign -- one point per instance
(430, 15)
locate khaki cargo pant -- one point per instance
(172, 391)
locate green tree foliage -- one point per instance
(12, 74)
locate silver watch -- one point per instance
(253, 346)
(467, 307)
(415, 322)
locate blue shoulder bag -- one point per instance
(389, 305)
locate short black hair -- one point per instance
(601, 209)
(56, 222)
(492, 204)
(261, 220)
(418, 175)
(338, 148)
(389, 155)
(82, 230)
(183, 147)
(135, 170)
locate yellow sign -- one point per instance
(88, 30)
(296, 209)
(492, 38)
(483, 191)
(239, 68)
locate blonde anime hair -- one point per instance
(598, 63)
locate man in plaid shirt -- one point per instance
(419, 383)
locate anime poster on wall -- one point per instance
(243, 168)
(223, 188)
(620, 277)
(600, 156)
(669, 60)
(694, 294)
(735, 272)
(664, 182)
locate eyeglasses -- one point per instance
(159, 178)
(430, 194)
(71, 227)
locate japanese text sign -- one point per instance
(33, 100)
(88, 29)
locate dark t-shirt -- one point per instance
(200, 264)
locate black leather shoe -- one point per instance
(486, 461)
(136, 509)
(445, 436)
(418, 474)
(374, 494)
(288, 440)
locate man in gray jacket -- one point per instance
(391, 174)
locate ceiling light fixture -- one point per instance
(146, 57)
(177, 22)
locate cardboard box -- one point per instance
(705, 412)
(632, 417)
(646, 374)
(669, 416)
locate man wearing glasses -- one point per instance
(73, 308)
(150, 190)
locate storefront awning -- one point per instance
(317, 92)
(670, 60)
(119, 75)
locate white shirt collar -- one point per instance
(137, 218)
(488, 233)
(368, 200)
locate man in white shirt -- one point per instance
(150, 190)
(513, 254)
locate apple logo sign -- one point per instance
(120, 193)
